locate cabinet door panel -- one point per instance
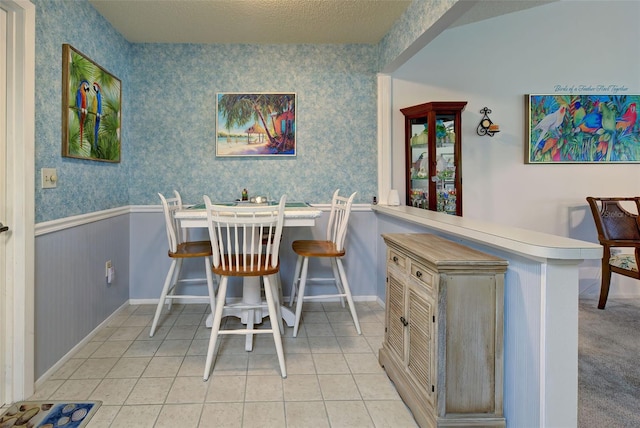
(395, 315)
(421, 356)
(471, 351)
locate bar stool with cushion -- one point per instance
(236, 234)
(180, 248)
(331, 248)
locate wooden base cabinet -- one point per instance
(443, 343)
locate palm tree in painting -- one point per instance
(240, 109)
(103, 125)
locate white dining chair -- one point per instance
(331, 248)
(237, 236)
(180, 248)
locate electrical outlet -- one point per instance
(49, 178)
(107, 267)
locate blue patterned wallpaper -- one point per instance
(173, 114)
(83, 186)
(419, 16)
(168, 108)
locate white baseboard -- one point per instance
(79, 346)
(284, 299)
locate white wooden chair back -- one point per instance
(339, 218)
(175, 234)
(237, 232)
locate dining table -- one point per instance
(296, 214)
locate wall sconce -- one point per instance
(486, 126)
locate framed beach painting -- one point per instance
(91, 101)
(575, 128)
(255, 124)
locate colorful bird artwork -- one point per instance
(592, 122)
(595, 128)
(549, 124)
(97, 109)
(81, 105)
(628, 119)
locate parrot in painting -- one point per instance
(628, 118)
(592, 122)
(550, 123)
(578, 112)
(607, 138)
(81, 105)
(97, 109)
(608, 117)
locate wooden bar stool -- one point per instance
(237, 235)
(181, 248)
(331, 248)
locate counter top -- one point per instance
(521, 241)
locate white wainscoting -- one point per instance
(73, 297)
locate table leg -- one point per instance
(288, 316)
(251, 296)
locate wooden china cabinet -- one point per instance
(433, 146)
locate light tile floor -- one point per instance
(334, 379)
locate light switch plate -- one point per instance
(49, 178)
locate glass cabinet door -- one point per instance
(419, 170)
(433, 152)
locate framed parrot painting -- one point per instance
(255, 124)
(91, 102)
(574, 128)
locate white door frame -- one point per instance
(17, 327)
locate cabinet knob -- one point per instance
(395, 259)
(419, 274)
(404, 321)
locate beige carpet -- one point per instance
(609, 364)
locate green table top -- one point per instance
(233, 203)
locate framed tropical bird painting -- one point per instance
(91, 115)
(574, 128)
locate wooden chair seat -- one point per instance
(246, 268)
(314, 248)
(618, 229)
(192, 249)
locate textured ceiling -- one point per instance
(252, 21)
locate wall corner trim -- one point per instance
(78, 220)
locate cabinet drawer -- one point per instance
(396, 258)
(422, 274)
